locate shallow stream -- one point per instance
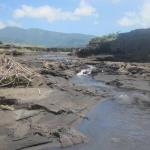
(118, 123)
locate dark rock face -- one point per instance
(131, 46)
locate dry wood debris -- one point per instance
(14, 74)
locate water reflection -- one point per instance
(114, 126)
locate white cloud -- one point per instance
(52, 14)
(84, 9)
(13, 23)
(129, 19)
(2, 25)
(137, 19)
(9, 23)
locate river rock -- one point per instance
(115, 83)
(72, 137)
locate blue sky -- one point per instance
(96, 17)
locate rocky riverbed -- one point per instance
(43, 116)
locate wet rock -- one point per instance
(115, 83)
(65, 141)
(60, 68)
(72, 137)
(89, 92)
(136, 70)
(57, 73)
(6, 101)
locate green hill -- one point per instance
(134, 45)
(43, 37)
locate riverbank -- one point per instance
(43, 115)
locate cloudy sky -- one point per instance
(96, 17)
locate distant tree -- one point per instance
(105, 38)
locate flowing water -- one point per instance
(118, 123)
(115, 126)
(53, 57)
(84, 78)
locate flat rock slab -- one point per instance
(29, 123)
(30, 142)
(6, 117)
(26, 94)
(25, 114)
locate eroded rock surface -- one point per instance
(44, 115)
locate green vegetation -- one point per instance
(12, 81)
(105, 38)
(133, 45)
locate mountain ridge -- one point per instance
(40, 37)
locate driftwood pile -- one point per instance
(14, 74)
